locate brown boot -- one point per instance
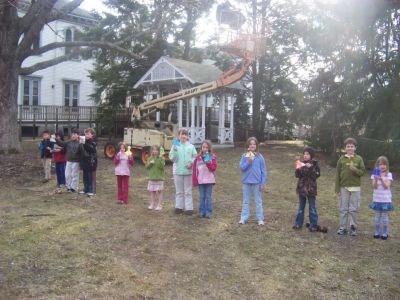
(189, 212)
(178, 210)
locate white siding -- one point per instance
(52, 78)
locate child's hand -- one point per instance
(152, 161)
(175, 148)
(48, 148)
(249, 160)
(353, 169)
(262, 188)
(338, 194)
(308, 165)
(188, 165)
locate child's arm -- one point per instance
(195, 181)
(317, 170)
(173, 154)
(374, 183)
(116, 159)
(131, 161)
(263, 173)
(194, 154)
(244, 163)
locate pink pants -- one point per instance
(123, 188)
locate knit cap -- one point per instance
(310, 150)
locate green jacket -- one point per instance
(344, 176)
(182, 156)
(156, 169)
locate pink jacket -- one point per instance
(122, 163)
(204, 173)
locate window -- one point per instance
(71, 93)
(30, 91)
(68, 38)
(36, 42)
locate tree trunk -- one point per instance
(9, 137)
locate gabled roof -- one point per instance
(181, 70)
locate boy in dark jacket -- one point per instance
(307, 171)
(88, 160)
(46, 147)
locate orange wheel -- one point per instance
(145, 155)
(110, 149)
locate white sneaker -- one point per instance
(90, 194)
(158, 207)
(150, 207)
(261, 223)
(242, 222)
(81, 193)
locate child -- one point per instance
(307, 172)
(382, 197)
(155, 164)
(122, 163)
(46, 147)
(254, 177)
(183, 156)
(72, 167)
(60, 159)
(349, 170)
(88, 160)
(203, 176)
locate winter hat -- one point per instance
(60, 133)
(310, 150)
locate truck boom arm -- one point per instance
(231, 76)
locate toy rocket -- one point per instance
(129, 152)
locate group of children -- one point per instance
(349, 170)
(77, 153)
(198, 169)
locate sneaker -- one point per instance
(313, 229)
(296, 227)
(178, 210)
(72, 190)
(242, 222)
(261, 223)
(377, 236)
(90, 194)
(82, 193)
(45, 180)
(189, 212)
(150, 207)
(384, 237)
(159, 207)
(353, 230)
(342, 231)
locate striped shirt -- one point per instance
(382, 195)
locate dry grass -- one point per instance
(60, 246)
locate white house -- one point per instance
(66, 84)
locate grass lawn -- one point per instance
(64, 246)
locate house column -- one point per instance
(187, 114)
(203, 114)
(180, 107)
(192, 131)
(232, 132)
(221, 121)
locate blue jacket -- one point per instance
(255, 173)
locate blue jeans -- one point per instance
(88, 181)
(247, 190)
(60, 171)
(205, 191)
(312, 211)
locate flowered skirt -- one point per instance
(382, 206)
(155, 186)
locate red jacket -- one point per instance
(212, 166)
(59, 156)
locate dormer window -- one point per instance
(68, 38)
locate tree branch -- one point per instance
(98, 44)
(36, 8)
(69, 7)
(52, 62)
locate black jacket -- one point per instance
(88, 156)
(44, 152)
